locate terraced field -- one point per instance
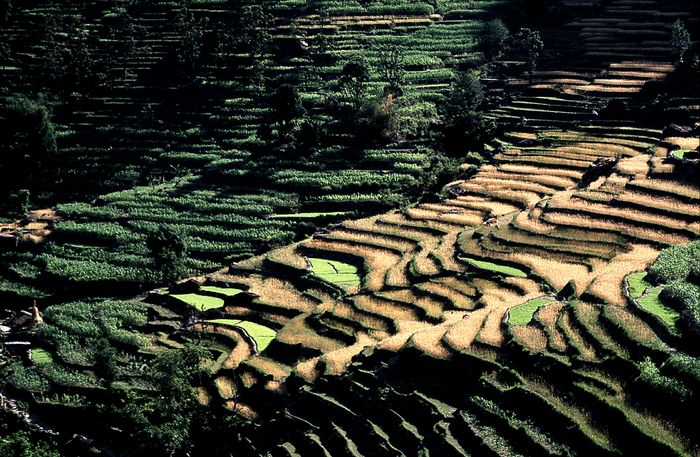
(511, 317)
(148, 151)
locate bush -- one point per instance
(27, 144)
(465, 127)
(684, 297)
(25, 444)
(674, 263)
(493, 39)
(650, 375)
(169, 251)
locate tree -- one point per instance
(105, 365)
(286, 108)
(123, 33)
(530, 45)
(311, 136)
(255, 29)
(163, 424)
(410, 118)
(463, 122)
(52, 71)
(353, 81)
(392, 68)
(168, 249)
(82, 68)
(189, 47)
(493, 40)
(20, 203)
(680, 39)
(466, 94)
(5, 10)
(27, 144)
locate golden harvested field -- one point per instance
(547, 317)
(531, 337)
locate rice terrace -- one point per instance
(326, 228)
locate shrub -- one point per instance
(650, 375)
(685, 297)
(672, 264)
(530, 45)
(685, 363)
(392, 68)
(168, 248)
(27, 144)
(464, 125)
(680, 39)
(493, 39)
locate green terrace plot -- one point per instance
(522, 314)
(228, 291)
(680, 153)
(213, 183)
(648, 298)
(41, 356)
(333, 271)
(494, 267)
(200, 302)
(262, 335)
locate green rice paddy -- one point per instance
(647, 297)
(228, 291)
(41, 356)
(333, 271)
(522, 314)
(201, 302)
(637, 284)
(262, 335)
(495, 267)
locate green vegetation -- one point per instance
(228, 291)
(530, 45)
(522, 314)
(262, 335)
(648, 298)
(26, 444)
(674, 263)
(168, 249)
(144, 142)
(680, 39)
(333, 271)
(41, 356)
(28, 143)
(200, 302)
(651, 375)
(494, 267)
(676, 271)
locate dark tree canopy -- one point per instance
(353, 81)
(530, 45)
(169, 250)
(392, 67)
(255, 29)
(680, 39)
(286, 106)
(162, 425)
(493, 40)
(27, 144)
(464, 125)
